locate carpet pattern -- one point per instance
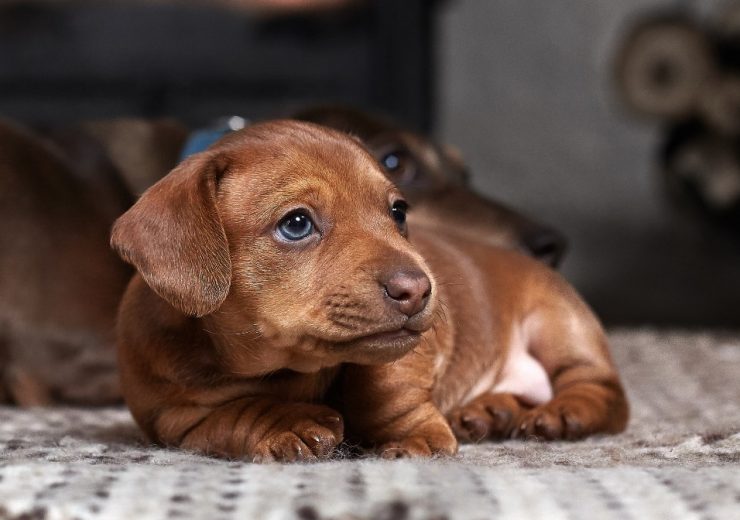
(679, 458)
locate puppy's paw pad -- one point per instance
(490, 416)
(320, 416)
(470, 425)
(321, 441)
(283, 447)
(333, 422)
(411, 447)
(306, 433)
(538, 424)
(553, 421)
(573, 426)
(438, 441)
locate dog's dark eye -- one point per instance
(398, 212)
(296, 225)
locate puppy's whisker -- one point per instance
(440, 315)
(449, 284)
(350, 321)
(254, 333)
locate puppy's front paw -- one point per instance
(434, 441)
(307, 434)
(558, 419)
(489, 416)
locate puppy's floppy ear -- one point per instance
(174, 236)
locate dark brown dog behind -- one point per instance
(435, 181)
(278, 294)
(60, 283)
(61, 189)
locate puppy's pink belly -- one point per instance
(526, 378)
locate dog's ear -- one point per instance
(174, 236)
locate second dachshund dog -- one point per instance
(279, 298)
(435, 180)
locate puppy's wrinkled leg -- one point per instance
(257, 429)
(583, 409)
(568, 341)
(389, 407)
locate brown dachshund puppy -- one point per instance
(278, 296)
(435, 181)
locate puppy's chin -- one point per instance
(374, 349)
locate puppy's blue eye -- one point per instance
(398, 212)
(296, 225)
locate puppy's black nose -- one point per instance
(546, 245)
(408, 291)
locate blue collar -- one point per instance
(200, 139)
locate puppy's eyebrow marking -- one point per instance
(287, 196)
(278, 199)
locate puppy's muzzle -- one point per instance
(407, 291)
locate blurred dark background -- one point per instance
(525, 89)
(193, 60)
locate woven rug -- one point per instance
(680, 458)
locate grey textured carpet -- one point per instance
(680, 458)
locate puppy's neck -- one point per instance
(251, 349)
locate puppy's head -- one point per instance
(289, 232)
(435, 179)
